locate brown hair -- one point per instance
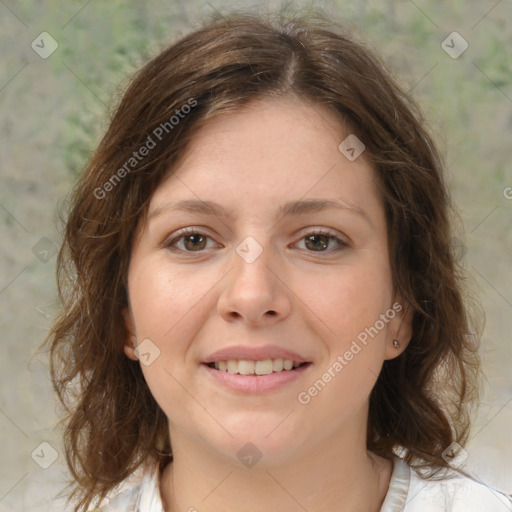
(420, 401)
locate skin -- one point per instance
(190, 304)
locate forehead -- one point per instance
(268, 153)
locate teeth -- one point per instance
(277, 365)
(245, 367)
(265, 367)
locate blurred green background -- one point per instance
(54, 111)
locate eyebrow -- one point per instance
(298, 207)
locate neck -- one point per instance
(331, 477)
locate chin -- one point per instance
(269, 439)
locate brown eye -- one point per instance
(194, 242)
(319, 241)
(189, 240)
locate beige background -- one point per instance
(53, 112)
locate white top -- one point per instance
(407, 492)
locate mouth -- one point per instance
(256, 368)
(255, 377)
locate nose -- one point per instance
(254, 292)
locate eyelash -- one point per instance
(170, 244)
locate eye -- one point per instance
(318, 241)
(193, 241)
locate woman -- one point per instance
(262, 309)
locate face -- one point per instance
(257, 267)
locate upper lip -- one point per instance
(252, 353)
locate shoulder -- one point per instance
(142, 496)
(455, 492)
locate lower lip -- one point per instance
(254, 384)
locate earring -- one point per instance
(396, 343)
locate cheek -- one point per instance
(346, 315)
(349, 299)
(347, 308)
(167, 309)
(160, 299)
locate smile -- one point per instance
(251, 382)
(247, 367)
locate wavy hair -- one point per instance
(421, 400)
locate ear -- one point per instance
(131, 339)
(399, 328)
